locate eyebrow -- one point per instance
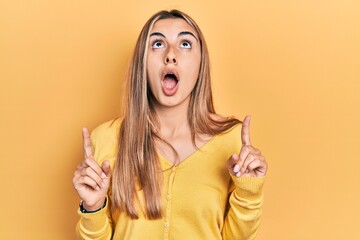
(180, 34)
(157, 34)
(187, 33)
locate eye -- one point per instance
(157, 44)
(186, 44)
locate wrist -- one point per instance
(84, 208)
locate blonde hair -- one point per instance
(137, 165)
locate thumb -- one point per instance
(105, 166)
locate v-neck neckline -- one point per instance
(170, 165)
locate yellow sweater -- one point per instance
(201, 199)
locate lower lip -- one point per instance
(169, 91)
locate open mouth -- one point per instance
(170, 80)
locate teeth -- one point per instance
(170, 74)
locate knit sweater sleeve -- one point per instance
(245, 204)
(95, 225)
(98, 225)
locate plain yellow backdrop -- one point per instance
(293, 65)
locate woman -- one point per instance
(171, 168)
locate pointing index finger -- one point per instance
(87, 143)
(245, 131)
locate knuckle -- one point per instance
(87, 161)
(76, 174)
(257, 151)
(80, 166)
(265, 163)
(74, 181)
(253, 149)
(257, 162)
(87, 171)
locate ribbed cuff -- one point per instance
(249, 187)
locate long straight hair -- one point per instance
(137, 166)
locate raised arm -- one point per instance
(248, 170)
(92, 181)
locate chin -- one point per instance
(171, 102)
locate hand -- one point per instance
(250, 162)
(91, 181)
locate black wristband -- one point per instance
(83, 210)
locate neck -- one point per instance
(173, 120)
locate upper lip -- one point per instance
(170, 71)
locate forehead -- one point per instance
(172, 26)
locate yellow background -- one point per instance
(293, 65)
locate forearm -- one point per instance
(243, 218)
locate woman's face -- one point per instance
(173, 62)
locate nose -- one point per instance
(170, 57)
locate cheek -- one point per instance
(150, 80)
(150, 70)
(193, 68)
